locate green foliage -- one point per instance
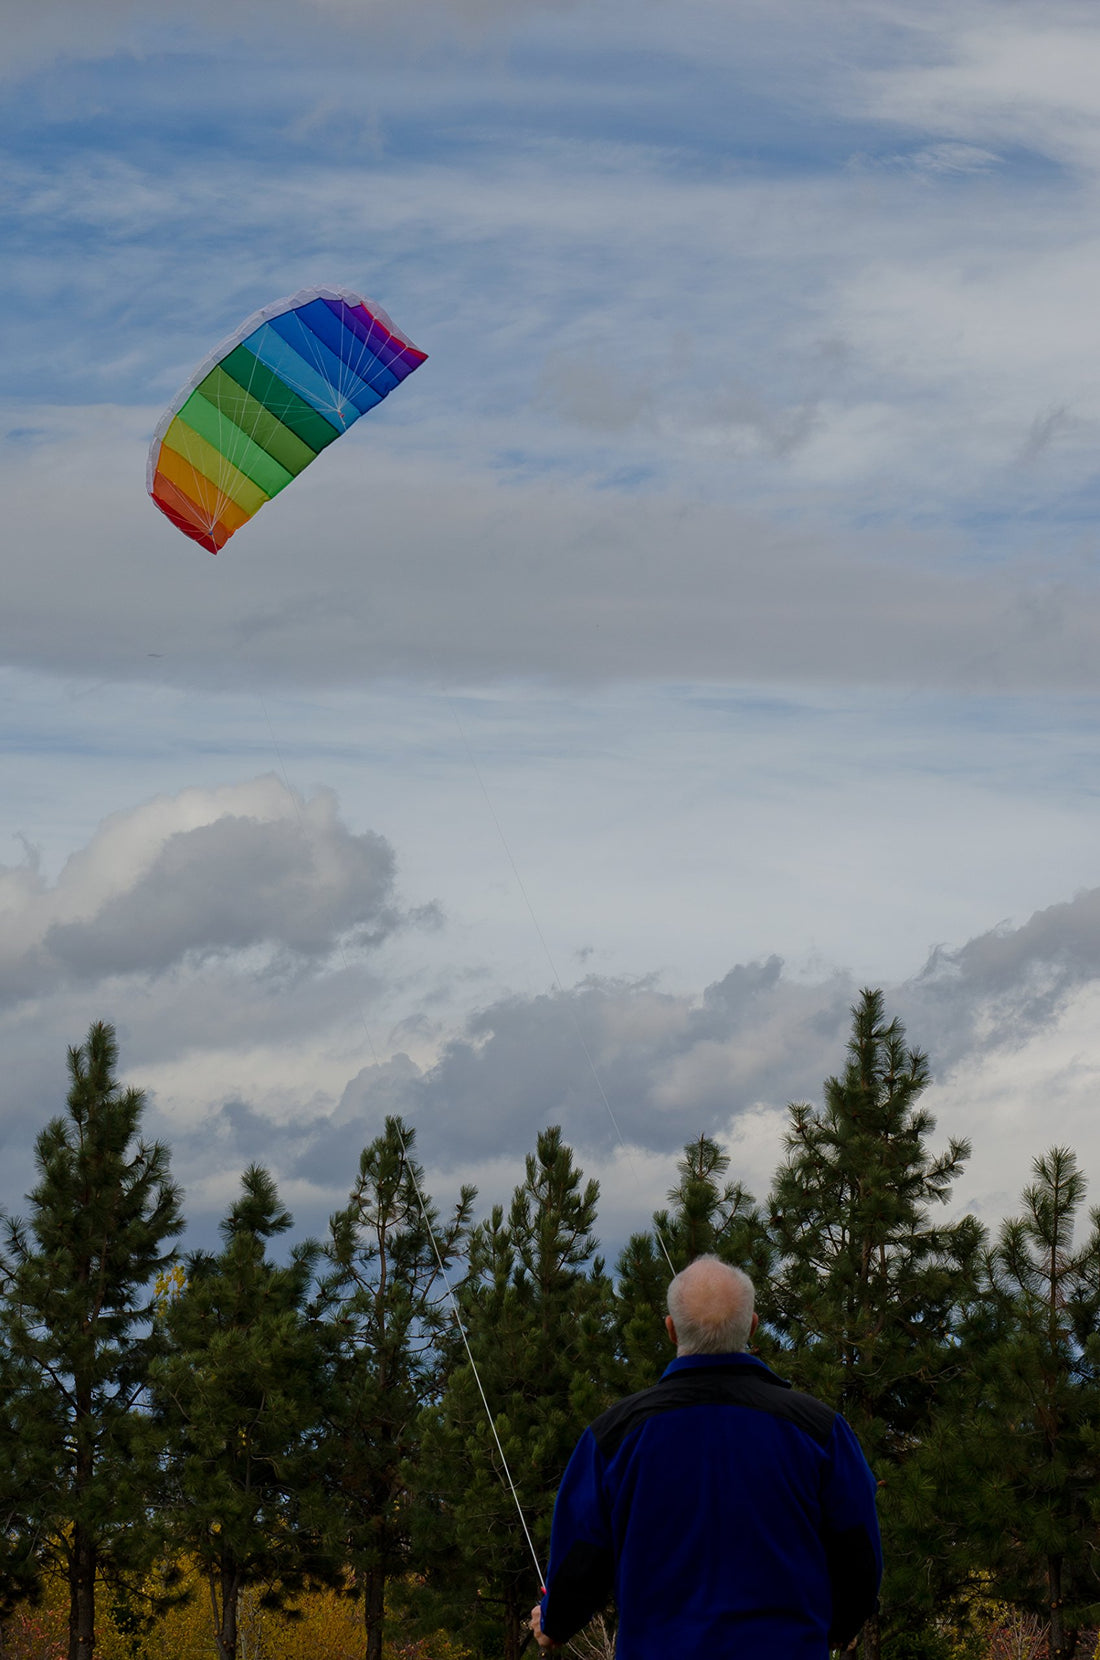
(867, 1286)
(77, 1338)
(1036, 1411)
(392, 1341)
(286, 1445)
(238, 1395)
(537, 1311)
(867, 1291)
(709, 1217)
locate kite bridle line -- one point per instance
(425, 1218)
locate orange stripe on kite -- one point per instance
(307, 368)
(210, 502)
(188, 517)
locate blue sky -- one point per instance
(720, 597)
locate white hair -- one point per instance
(711, 1306)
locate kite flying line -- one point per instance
(424, 1217)
(409, 1165)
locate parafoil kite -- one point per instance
(291, 379)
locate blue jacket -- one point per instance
(728, 1515)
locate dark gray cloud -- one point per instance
(674, 1064)
(671, 1064)
(1003, 986)
(201, 875)
(602, 1058)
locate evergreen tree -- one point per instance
(1036, 1423)
(866, 1292)
(393, 1342)
(26, 1469)
(77, 1338)
(538, 1316)
(239, 1392)
(709, 1216)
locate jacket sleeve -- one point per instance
(852, 1544)
(581, 1574)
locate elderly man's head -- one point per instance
(710, 1309)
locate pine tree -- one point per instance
(393, 1343)
(709, 1216)
(78, 1337)
(538, 1315)
(1036, 1423)
(867, 1289)
(239, 1393)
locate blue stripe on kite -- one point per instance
(344, 342)
(273, 351)
(359, 320)
(376, 342)
(312, 350)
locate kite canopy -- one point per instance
(291, 379)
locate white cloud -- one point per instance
(203, 874)
(1011, 74)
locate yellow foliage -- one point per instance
(169, 1284)
(330, 1627)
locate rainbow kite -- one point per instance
(291, 379)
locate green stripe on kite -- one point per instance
(266, 387)
(266, 402)
(235, 445)
(256, 420)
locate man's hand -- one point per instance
(536, 1626)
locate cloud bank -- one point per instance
(214, 919)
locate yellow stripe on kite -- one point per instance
(198, 489)
(208, 462)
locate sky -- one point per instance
(709, 628)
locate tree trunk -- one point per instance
(82, 1552)
(1063, 1643)
(228, 1583)
(374, 1611)
(513, 1628)
(82, 1566)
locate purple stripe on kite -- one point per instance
(359, 320)
(405, 359)
(376, 347)
(333, 333)
(379, 342)
(363, 340)
(393, 351)
(390, 356)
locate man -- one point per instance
(729, 1515)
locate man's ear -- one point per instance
(755, 1323)
(671, 1329)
